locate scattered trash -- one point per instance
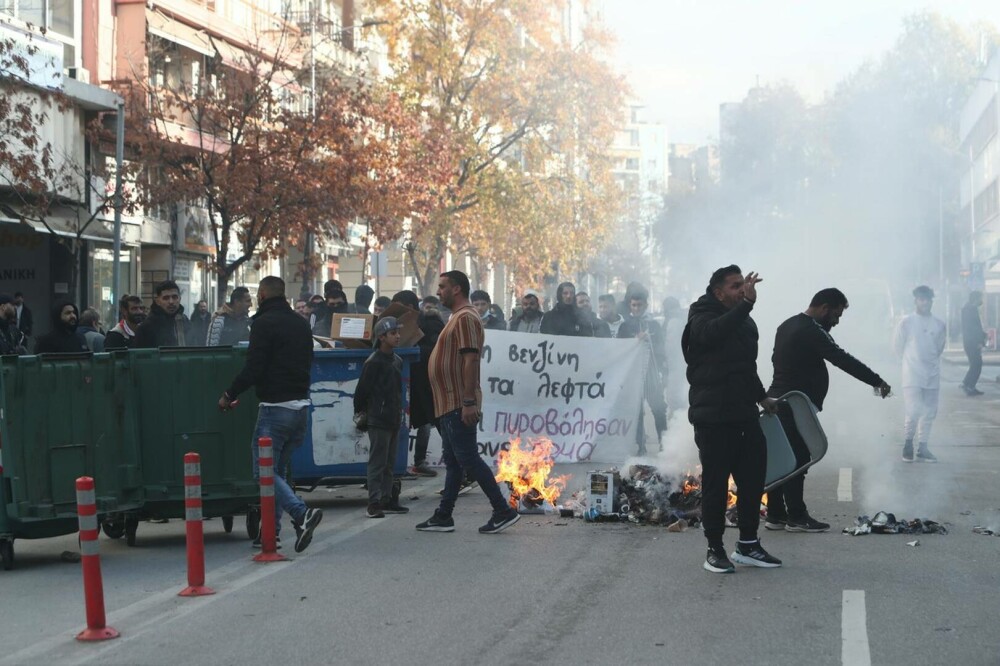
(886, 523)
(914, 543)
(70, 556)
(965, 513)
(979, 529)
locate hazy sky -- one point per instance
(684, 57)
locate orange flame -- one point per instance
(527, 471)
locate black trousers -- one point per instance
(787, 500)
(975, 356)
(738, 449)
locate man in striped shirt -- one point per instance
(453, 369)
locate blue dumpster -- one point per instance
(334, 451)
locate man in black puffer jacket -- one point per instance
(278, 363)
(720, 347)
(565, 318)
(63, 338)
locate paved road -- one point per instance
(563, 591)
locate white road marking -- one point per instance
(845, 491)
(854, 650)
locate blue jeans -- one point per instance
(287, 430)
(462, 452)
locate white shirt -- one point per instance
(19, 308)
(289, 404)
(920, 340)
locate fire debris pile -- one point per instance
(886, 523)
(526, 472)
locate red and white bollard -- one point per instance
(268, 533)
(93, 587)
(195, 528)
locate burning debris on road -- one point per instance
(886, 523)
(526, 473)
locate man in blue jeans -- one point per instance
(453, 370)
(278, 363)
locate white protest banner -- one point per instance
(584, 394)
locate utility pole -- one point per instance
(116, 267)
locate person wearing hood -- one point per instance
(166, 325)
(529, 319)
(482, 302)
(12, 340)
(63, 338)
(363, 296)
(720, 347)
(335, 302)
(122, 336)
(609, 314)
(641, 326)
(421, 399)
(565, 317)
(231, 324)
(90, 329)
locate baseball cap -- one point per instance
(384, 325)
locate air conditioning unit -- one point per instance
(81, 74)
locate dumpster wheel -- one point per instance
(131, 527)
(227, 524)
(253, 522)
(114, 529)
(7, 553)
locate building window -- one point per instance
(633, 137)
(987, 203)
(632, 163)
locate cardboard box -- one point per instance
(353, 330)
(408, 318)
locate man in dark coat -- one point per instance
(12, 341)
(421, 399)
(599, 328)
(720, 347)
(166, 325)
(565, 318)
(25, 322)
(201, 318)
(63, 338)
(363, 296)
(640, 325)
(802, 347)
(973, 339)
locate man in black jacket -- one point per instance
(166, 325)
(63, 338)
(201, 318)
(12, 340)
(379, 396)
(335, 303)
(565, 317)
(802, 346)
(122, 336)
(641, 326)
(278, 366)
(720, 347)
(25, 321)
(973, 339)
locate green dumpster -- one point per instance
(176, 393)
(63, 416)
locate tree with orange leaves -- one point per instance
(531, 107)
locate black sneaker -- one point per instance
(806, 524)
(256, 544)
(375, 511)
(908, 451)
(925, 456)
(304, 533)
(437, 523)
(717, 562)
(754, 555)
(395, 507)
(500, 521)
(774, 523)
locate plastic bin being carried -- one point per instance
(781, 464)
(334, 451)
(176, 396)
(63, 416)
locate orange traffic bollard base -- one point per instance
(104, 634)
(196, 591)
(269, 557)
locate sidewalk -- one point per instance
(957, 357)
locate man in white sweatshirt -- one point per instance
(919, 341)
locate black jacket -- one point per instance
(801, 349)
(566, 320)
(163, 330)
(380, 391)
(27, 322)
(324, 318)
(720, 347)
(62, 339)
(12, 341)
(973, 335)
(199, 328)
(633, 326)
(421, 398)
(279, 357)
(492, 323)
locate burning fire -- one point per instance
(527, 471)
(692, 484)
